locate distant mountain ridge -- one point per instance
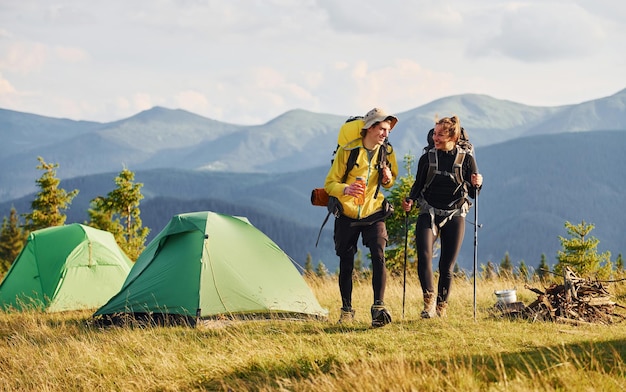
(296, 140)
(542, 167)
(532, 186)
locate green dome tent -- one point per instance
(210, 265)
(63, 268)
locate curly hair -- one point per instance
(452, 125)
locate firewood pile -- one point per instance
(576, 301)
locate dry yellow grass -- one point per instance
(64, 352)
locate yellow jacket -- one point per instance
(363, 168)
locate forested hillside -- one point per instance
(294, 141)
(532, 186)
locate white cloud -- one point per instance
(5, 87)
(247, 62)
(546, 32)
(23, 57)
(191, 98)
(4, 34)
(142, 101)
(71, 55)
(196, 102)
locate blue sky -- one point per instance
(246, 62)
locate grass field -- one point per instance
(65, 352)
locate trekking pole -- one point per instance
(406, 245)
(475, 247)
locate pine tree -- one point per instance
(101, 216)
(458, 272)
(396, 224)
(12, 240)
(308, 265)
(50, 201)
(544, 269)
(321, 270)
(580, 254)
(119, 214)
(506, 267)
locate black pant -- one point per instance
(451, 238)
(346, 238)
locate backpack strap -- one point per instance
(433, 168)
(320, 232)
(354, 155)
(457, 168)
(385, 149)
(433, 164)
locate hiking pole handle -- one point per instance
(406, 200)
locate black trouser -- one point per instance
(346, 238)
(451, 237)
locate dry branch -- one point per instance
(577, 301)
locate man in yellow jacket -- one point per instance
(377, 166)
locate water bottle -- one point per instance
(360, 199)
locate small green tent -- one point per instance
(210, 265)
(63, 268)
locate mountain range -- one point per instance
(542, 166)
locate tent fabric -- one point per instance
(206, 264)
(61, 268)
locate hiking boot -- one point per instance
(346, 316)
(380, 315)
(442, 309)
(430, 304)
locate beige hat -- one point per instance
(377, 115)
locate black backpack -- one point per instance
(464, 147)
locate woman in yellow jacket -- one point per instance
(367, 217)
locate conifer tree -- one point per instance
(394, 253)
(544, 269)
(50, 201)
(308, 265)
(119, 214)
(506, 267)
(101, 215)
(580, 254)
(321, 270)
(12, 240)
